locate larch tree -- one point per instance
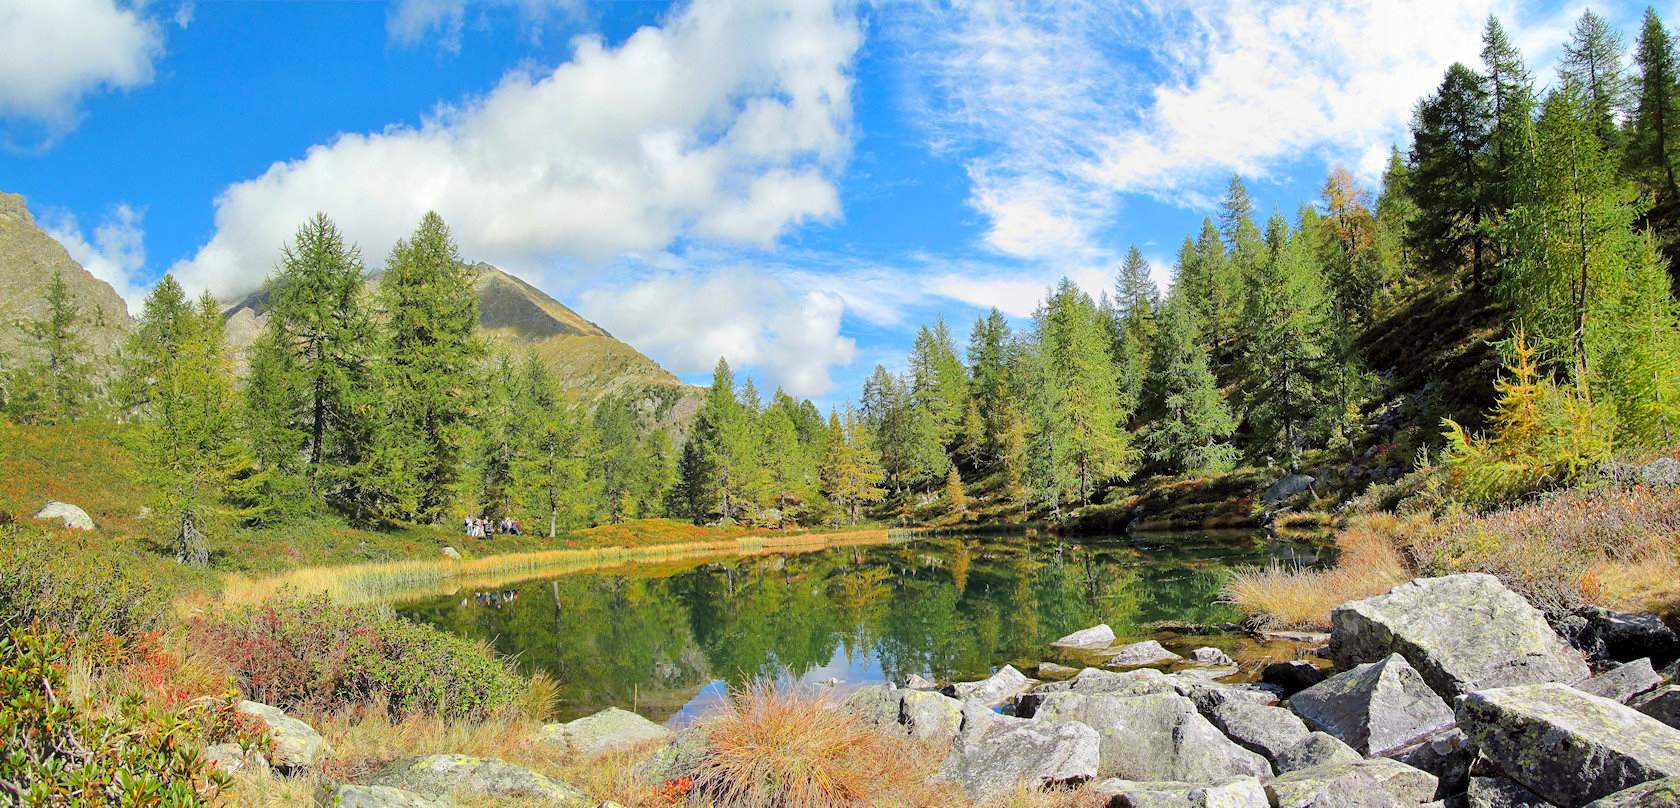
(1509, 90)
(1592, 61)
(1287, 365)
(1082, 415)
(850, 475)
(549, 475)
(1347, 249)
(56, 385)
(1656, 115)
(1188, 420)
(938, 380)
(990, 387)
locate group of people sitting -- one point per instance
(480, 528)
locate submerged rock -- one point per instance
(1461, 632)
(1622, 682)
(444, 775)
(1376, 708)
(1156, 737)
(1241, 792)
(604, 731)
(1374, 783)
(297, 746)
(73, 517)
(1664, 793)
(996, 689)
(1094, 638)
(994, 754)
(349, 796)
(1148, 652)
(1207, 655)
(1565, 745)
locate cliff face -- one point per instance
(28, 257)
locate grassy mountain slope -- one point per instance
(28, 257)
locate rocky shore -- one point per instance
(1451, 692)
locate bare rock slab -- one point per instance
(1267, 731)
(1376, 708)
(446, 775)
(1241, 792)
(993, 690)
(1094, 638)
(1567, 746)
(1664, 793)
(1374, 783)
(602, 732)
(994, 754)
(1153, 738)
(1461, 632)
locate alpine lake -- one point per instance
(669, 639)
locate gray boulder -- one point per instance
(1094, 638)
(1240, 792)
(1662, 704)
(1317, 749)
(1501, 792)
(1374, 783)
(880, 704)
(992, 690)
(1052, 670)
(297, 746)
(1288, 486)
(349, 796)
(1664, 793)
(1207, 655)
(1604, 634)
(1268, 731)
(931, 717)
(230, 758)
(1205, 692)
(73, 517)
(446, 775)
(1461, 632)
(1142, 682)
(1148, 652)
(1376, 708)
(995, 754)
(1157, 737)
(604, 731)
(1448, 756)
(1622, 682)
(916, 681)
(680, 757)
(1565, 745)
(451, 553)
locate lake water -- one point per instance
(668, 640)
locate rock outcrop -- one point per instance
(386, 797)
(28, 258)
(1374, 783)
(1664, 793)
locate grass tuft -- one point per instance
(1368, 563)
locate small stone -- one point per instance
(996, 689)
(73, 517)
(451, 553)
(604, 731)
(681, 757)
(916, 682)
(229, 758)
(1622, 682)
(1211, 656)
(297, 746)
(1094, 638)
(1148, 652)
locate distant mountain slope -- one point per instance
(588, 362)
(28, 257)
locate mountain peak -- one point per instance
(28, 258)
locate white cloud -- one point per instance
(55, 52)
(116, 254)
(409, 21)
(748, 317)
(728, 121)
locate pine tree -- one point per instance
(1656, 117)
(1188, 417)
(57, 385)
(1592, 61)
(427, 364)
(1288, 362)
(1449, 177)
(1082, 415)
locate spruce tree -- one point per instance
(1288, 362)
(989, 382)
(721, 460)
(1188, 420)
(1592, 61)
(906, 435)
(427, 365)
(1136, 299)
(1396, 211)
(1247, 253)
(1450, 133)
(1656, 117)
(56, 386)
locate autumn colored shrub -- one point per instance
(314, 654)
(74, 593)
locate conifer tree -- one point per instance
(989, 383)
(427, 364)
(721, 462)
(851, 476)
(272, 397)
(956, 500)
(1081, 427)
(1509, 91)
(906, 435)
(1656, 117)
(1247, 255)
(548, 475)
(1188, 418)
(1448, 178)
(789, 471)
(1288, 363)
(499, 437)
(1395, 213)
(57, 385)
(1592, 61)
(1347, 249)
(938, 380)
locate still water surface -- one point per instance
(668, 640)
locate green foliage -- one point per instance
(75, 593)
(906, 435)
(851, 474)
(56, 753)
(1078, 440)
(547, 475)
(1656, 117)
(1592, 62)
(1188, 417)
(938, 381)
(1448, 174)
(314, 654)
(57, 385)
(1287, 364)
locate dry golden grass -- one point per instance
(1368, 563)
(775, 747)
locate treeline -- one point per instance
(1557, 205)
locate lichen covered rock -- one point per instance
(1156, 737)
(1374, 783)
(1376, 708)
(995, 754)
(1664, 793)
(604, 731)
(446, 775)
(297, 746)
(1240, 792)
(351, 796)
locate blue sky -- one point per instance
(793, 185)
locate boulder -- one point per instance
(995, 754)
(680, 757)
(1448, 756)
(1565, 745)
(1317, 749)
(1211, 656)
(1662, 704)
(1376, 708)
(1664, 793)
(1268, 731)
(1605, 634)
(916, 681)
(480, 778)
(348, 796)
(1140, 682)
(1288, 486)
(1148, 652)
(1501, 792)
(1374, 783)
(297, 746)
(604, 731)
(1206, 675)
(993, 690)
(1203, 691)
(1094, 638)
(1157, 737)
(880, 704)
(932, 717)
(1293, 676)
(230, 758)
(1461, 632)
(451, 553)
(1622, 682)
(1239, 792)
(73, 517)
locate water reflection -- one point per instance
(668, 640)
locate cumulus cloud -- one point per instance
(115, 255)
(410, 21)
(53, 54)
(751, 318)
(727, 122)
